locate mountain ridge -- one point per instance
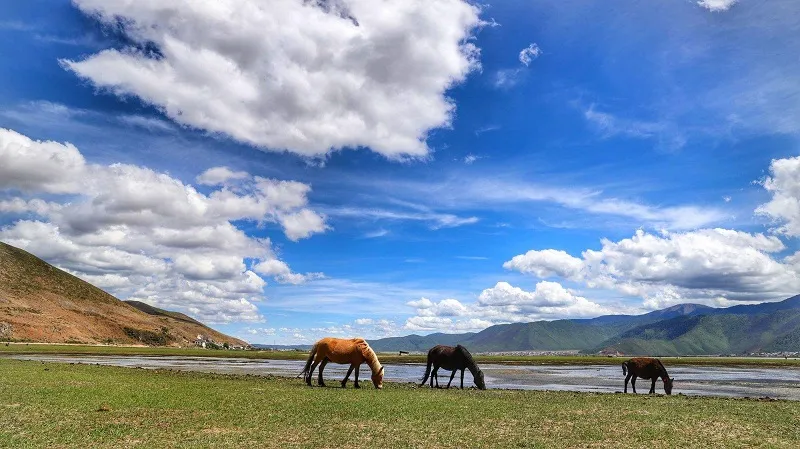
(650, 333)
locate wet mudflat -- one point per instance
(780, 383)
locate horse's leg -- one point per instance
(321, 382)
(633, 384)
(653, 387)
(627, 378)
(311, 372)
(355, 384)
(452, 375)
(350, 371)
(462, 378)
(436, 375)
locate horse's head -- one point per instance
(377, 379)
(478, 378)
(668, 385)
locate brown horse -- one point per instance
(646, 368)
(353, 351)
(452, 359)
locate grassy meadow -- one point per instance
(31, 348)
(87, 406)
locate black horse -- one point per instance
(646, 368)
(452, 359)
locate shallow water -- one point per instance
(782, 383)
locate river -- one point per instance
(780, 383)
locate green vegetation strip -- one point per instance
(62, 405)
(23, 348)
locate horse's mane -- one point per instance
(663, 369)
(470, 361)
(369, 354)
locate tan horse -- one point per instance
(353, 351)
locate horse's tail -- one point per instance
(624, 368)
(427, 368)
(310, 360)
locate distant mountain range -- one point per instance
(685, 329)
(40, 303)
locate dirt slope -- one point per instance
(41, 303)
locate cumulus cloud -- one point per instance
(302, 224)
(784, 185)
(38, 166)
(712, 266)
(502, 303)
(303, 76)
(717, 5)
(21, 206)
(145, 235)
(546, 263)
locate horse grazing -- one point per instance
(452, 359)
(353, 351)
(646, 368)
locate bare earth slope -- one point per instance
(41, 303)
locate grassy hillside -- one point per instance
(540, 335)
(155, 311)
(41, 303)
(418, 343)
(713, 334)
(581, 334)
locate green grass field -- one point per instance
(62, 405)
(22, 348)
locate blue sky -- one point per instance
(451, 165)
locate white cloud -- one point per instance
(306, 77)
(376, 234)
(21, 206)
(669, 136)
(148, 123)
(144, 235)
(448, 325)
(707, 265)
(470, 159)
(455, 200)
(546, 263)
(281, 271)
(528, 54)
(436, 220)
(502, 303)
(302, 224)
(784, 185)
(489, 192)
(38, 166)
(220, 175)
(508, 78)
(363, 327)
(717, 5)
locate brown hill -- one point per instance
(41, 303)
